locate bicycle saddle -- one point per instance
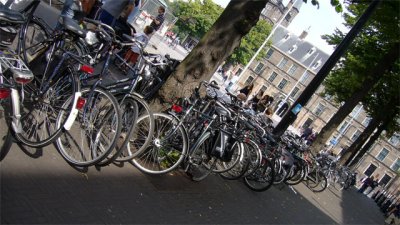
(71, 25)
(11, 16)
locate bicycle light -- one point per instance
(87, 69)
(80, 103)
(4, 93)
(176, 108)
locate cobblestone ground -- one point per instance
(38, 186)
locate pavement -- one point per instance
(39, 187)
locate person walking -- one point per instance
(366, 182)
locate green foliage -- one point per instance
(195, 17)
(371, 44)
(250, 44)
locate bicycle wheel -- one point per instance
(222, 166)
(34, 39)
(167, 148)
(95, 131)
(41, 105)
(129, 109)
(298, 175)
(254, 156)
(262, 178)
(200, 163)
(141, 133)
(317, 181)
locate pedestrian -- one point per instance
(111, 10)
(306, 132)
(245, 92)
(256, 99)
(132, 55)
(136, 10)
(311, 138)
(158, 20)
(264, 103)
(366, 182)
(374, 184)
(393, 215)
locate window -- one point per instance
(333, 141)
(355, 111)
(311, 51)
(343, 127)
(366, 121)
(292, 49)
(307, 123)
(282, 63)
(288, 16)
(292, 69)
(286, 36)
(316, 64)
(272, 77)
(382, 155)
(239, 71)
(282, 84)
(355, 135)
(249, 80)
(304, 78)
(319, 109)
(395, 139)
(263, 88)
(371, 169)
(396, 165)
(385, 180)
(259, 68)
(294, 92)
(269, 53)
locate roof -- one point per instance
(302, 51)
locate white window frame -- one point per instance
(381, 152)
(291, 70)
(364, 123)
(252, 79)
(344, 128)
(281, 65)
(269, 50)
(394, 137)
(284, 85)
(394, 163)
(323, 107)
(304, 78)
(257, 70)
(352, 136)
(273, 73)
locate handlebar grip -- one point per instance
(211, 84)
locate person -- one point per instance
(264, 103)
(372, 186)
(132, 55)
(311, 138)
(159, 20)
(244, 92)
(306, 132)
(366, 182)
(111, 10)
(282, 110)
(135, 11)
(256, 99)
(393, 215)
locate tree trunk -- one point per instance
(385, 64)
(384, 123)
(357, 144)
(216, 45)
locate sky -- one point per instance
(321, 21)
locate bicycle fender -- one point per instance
(16, 125)
(74, 112)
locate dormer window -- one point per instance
(311, 51)
(316, 64)
(286, 36)
(292, 49)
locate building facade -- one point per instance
(288, 67)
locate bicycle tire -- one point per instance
(167, 149)
(200, 163)
(40, 110)
(317, 181)
(299, 174)
(222, 166)
(141, 134)
(98, 124)
(263, 175)
(34, 39)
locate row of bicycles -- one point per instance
(55, 89)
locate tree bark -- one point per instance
(385, 64)
(370, 142)
(216, 45)
(357, 144)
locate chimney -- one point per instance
(304, 33)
